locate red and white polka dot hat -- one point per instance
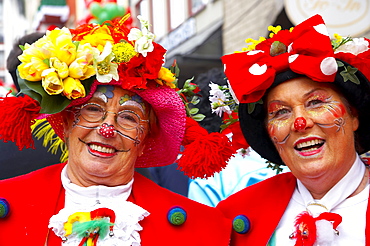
(305, 50)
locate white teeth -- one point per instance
(309, 143)
(102, 149)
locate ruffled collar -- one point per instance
(86, 200)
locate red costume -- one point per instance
(35, 197)
(263, 204)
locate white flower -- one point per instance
(244, 152)
(143, 38)
(144, 22)
(355, 46)
(105, 69)
(214, 88)
(218, 100)
(221, 109)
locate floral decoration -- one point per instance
(224, 105)
(65, 62)
(188, 93)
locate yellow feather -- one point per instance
(42, 129)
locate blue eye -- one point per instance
(315, 102)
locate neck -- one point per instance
(320, 186)
(85, 180)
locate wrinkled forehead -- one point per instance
(106, 93)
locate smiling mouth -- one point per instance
(310, 145)
(101, 150)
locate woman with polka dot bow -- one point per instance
(304, 102)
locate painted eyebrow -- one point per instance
(304, 95)
(97, 100)
(312, 91)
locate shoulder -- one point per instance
(36, 177)
(202, 225)
(30, 200)
(260, 206)
(262, 190)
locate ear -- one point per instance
(354, 116)
(67, 123)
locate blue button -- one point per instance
(241, 224)
(4, 208)
(176, 216)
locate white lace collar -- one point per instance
(86, 199)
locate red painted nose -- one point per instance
(300, 124)
(106, 130)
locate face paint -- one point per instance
(104, 92)
(325, 111)
(134, 100)
(278, 119)
(317, 149)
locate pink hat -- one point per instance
(79, 60)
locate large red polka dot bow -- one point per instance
(305, 50)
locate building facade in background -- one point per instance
(196, 33)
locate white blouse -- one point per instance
(86, 199)
(352, 209)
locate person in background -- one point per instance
(304, 102)
(105, 93)
(9, 153)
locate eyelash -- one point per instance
(278, 113)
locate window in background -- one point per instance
(177, 12)
(144, 9)
(198, 5)
(159, 18)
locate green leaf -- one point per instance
(349, 74)
(194, 110)
(198, 117)
(252, 106)
(47, 62)
(195, 100)
(340, 64)
(87, 84)
(27, 91)
(50, 104)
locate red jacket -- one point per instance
(263, 204)
(35, 197)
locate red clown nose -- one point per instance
(300, 124)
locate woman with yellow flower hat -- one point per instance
(104, 92)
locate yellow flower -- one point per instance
(123, 52)
(274, 30)
(73, 88)
(60, 67)
(32, 70)
(99, 38)
(166, 76)
(82, 68)
(254, 43)
(51, 82)
(106, 70)
(61, 46)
